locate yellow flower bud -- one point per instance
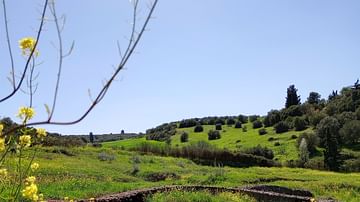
(34, 166)
(25, 140)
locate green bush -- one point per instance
(184, 137)
(230, 121)
(262, 131)
(214, 135)
(238, 124)
(198, 129)
(281, 127)
(218, 126)
(300, 123)
(260, 151)
(257, 124)
(103, 156)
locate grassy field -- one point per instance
(85, 172)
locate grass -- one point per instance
(84, 175)
(202, 196)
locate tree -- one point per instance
(328, 132)
(303, 152)
(91, 137)
(184, 137)
(350, 132)
(314, 98)
(312, 141)
(292, 97)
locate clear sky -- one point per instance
(198, 58)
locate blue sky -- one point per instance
(199, 58)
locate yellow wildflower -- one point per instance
(27, 45)
(25, 140)
(3, 173)
(30, 180)
(41, 132)
(2, 144)
(1, 128)
(26, 113)
(34, 166)
(30, 192)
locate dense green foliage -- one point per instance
(292, 97)
(328, 132)
(214, 134)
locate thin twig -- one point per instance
(9, 46)
(30, 56)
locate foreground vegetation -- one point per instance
(180, 196)
(85, 172)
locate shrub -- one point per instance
(257, 124)
(187, 123)
(273, 117)
(244, 129)
(238, 124)
(260, 151)
(281, 127)
(213, 135)
(243, 118)
(96, 144)
(184, 137)
(198, 129)
(352, 165)
(315, 118)
(160, 176)
(218, 126)
(299, 123)
(315, 163)
(303, 152)
(103, 156)
(230, 121)
(262, 131)
(312, 141)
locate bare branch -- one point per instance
(129, 52)
(30, 56)
(9, 46)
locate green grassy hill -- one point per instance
(232, 139)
